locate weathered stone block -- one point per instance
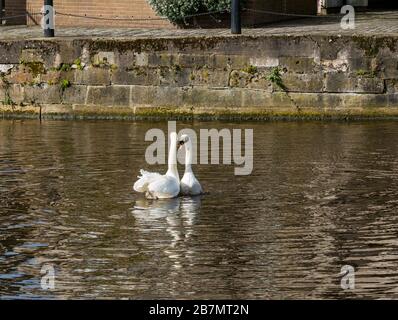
(192, 60)
(174, 76)
(103, 57)
(392, 85)
(213, 98)
(156, 96)
(142, 95)
(10, 51)
(11, 94)
(32, 55)
(93, 76)
(16, 93)
(55, 77)
(302, 82)
(225, 61)
(340, 82)
(141, 59)
(68, 52)
(42, 94)
(20, 76)
(136, 76)
(253, 80)
(264, 62)
(298, 64)
(209, 77)
(388, 67)
(162, 59)
(75, 94)
(360, 63)
(56, 109)
(109, 95)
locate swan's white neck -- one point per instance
(188, 156)
(172, 161)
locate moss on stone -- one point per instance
(373, 45)
(35, 67)
(251, 70)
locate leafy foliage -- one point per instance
(176, 10)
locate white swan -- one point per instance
(157, 186)
(189, 185)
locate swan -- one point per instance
(157, 186)
(189, 185)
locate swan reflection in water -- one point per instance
(175, 216)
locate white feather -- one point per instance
(157, 186)
(189, 185)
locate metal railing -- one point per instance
(49, 12)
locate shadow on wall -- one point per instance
(14, 8)
(256, 13)
(383, 4)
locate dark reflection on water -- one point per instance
(321, 195)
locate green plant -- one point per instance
(275, 77)
(78, 64)
(65, 84)
(8, 100)
(64, 67)
(176, 10)
(6, 86)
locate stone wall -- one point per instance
(252, 77)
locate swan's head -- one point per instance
(183, 140)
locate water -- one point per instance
(321, 195)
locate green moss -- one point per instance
(205, 74)
(177, 68)
(251, 70)
(35, 67)
(366, 73)
(373, 45)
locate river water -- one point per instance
(321, 196)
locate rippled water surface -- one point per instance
(321, 195)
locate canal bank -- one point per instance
(318, 72)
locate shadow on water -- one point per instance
(321, 195)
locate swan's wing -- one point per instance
(164, 187)
(141, 185)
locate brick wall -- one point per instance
(140, 9)
(15, 8)
(136, 9)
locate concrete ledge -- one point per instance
(137, 112)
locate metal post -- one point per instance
(236, 27)
(48, 18)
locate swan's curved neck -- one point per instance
(188, 156)
(172, 161)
